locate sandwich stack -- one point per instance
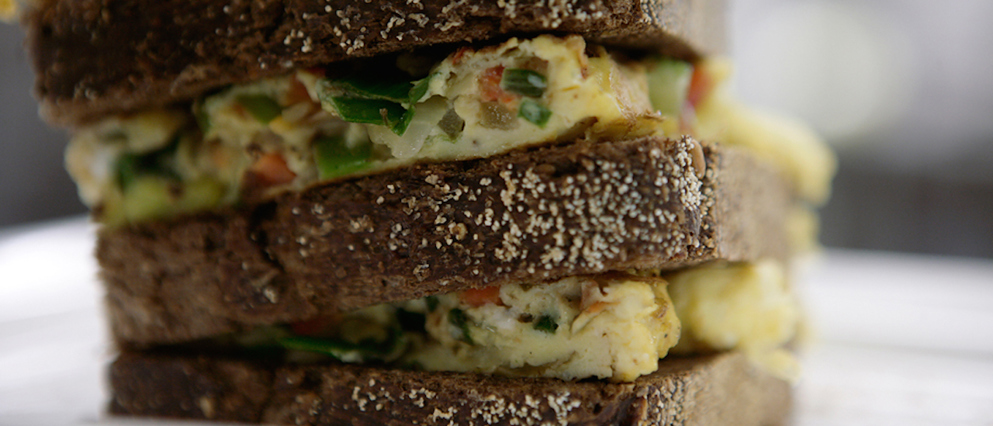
(431, 212)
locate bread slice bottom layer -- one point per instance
(710, 389)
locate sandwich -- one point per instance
(431, 212)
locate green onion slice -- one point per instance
(534, 112)
(458, 318)
(524, 82)
(546, 323)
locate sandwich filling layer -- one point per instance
(613, 326)
(251, 141)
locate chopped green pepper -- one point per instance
(534, 112)
(370, 110)
(546, 323)
(263, 107)
(458, 318)
(370, 88)
(334, 158)
(523, 82)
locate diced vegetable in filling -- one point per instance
(254, 140)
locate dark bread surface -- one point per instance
(719, 389)
(100, 57)
(525, 216)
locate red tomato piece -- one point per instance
(489, 86)
(270, 169)
(481, 296)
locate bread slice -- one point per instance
(525, 216)
(703, 390)
(97, 57)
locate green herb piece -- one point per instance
(523, 82)
(334, 158)
(130, 166)
(546, 323)
(203, 119)
(668, 84)
(334, 347)
(263, 107)
(419, 90)
(341, 349)
(400, 127)
(458, 318)
(432, 302)
(534, 112)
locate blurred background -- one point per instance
(902, 90)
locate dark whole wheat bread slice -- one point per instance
(525, 216)
(99, 57)
(721, 389)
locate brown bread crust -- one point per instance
(703, 390)
(100, 57)
(526, 216)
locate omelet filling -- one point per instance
(744, 306)
(614, 326)
(254, 140)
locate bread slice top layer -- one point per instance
(526, 216)
(702, 390)
(97, 57)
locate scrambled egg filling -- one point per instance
(254, 140)
(745, 306)
(613, 326)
